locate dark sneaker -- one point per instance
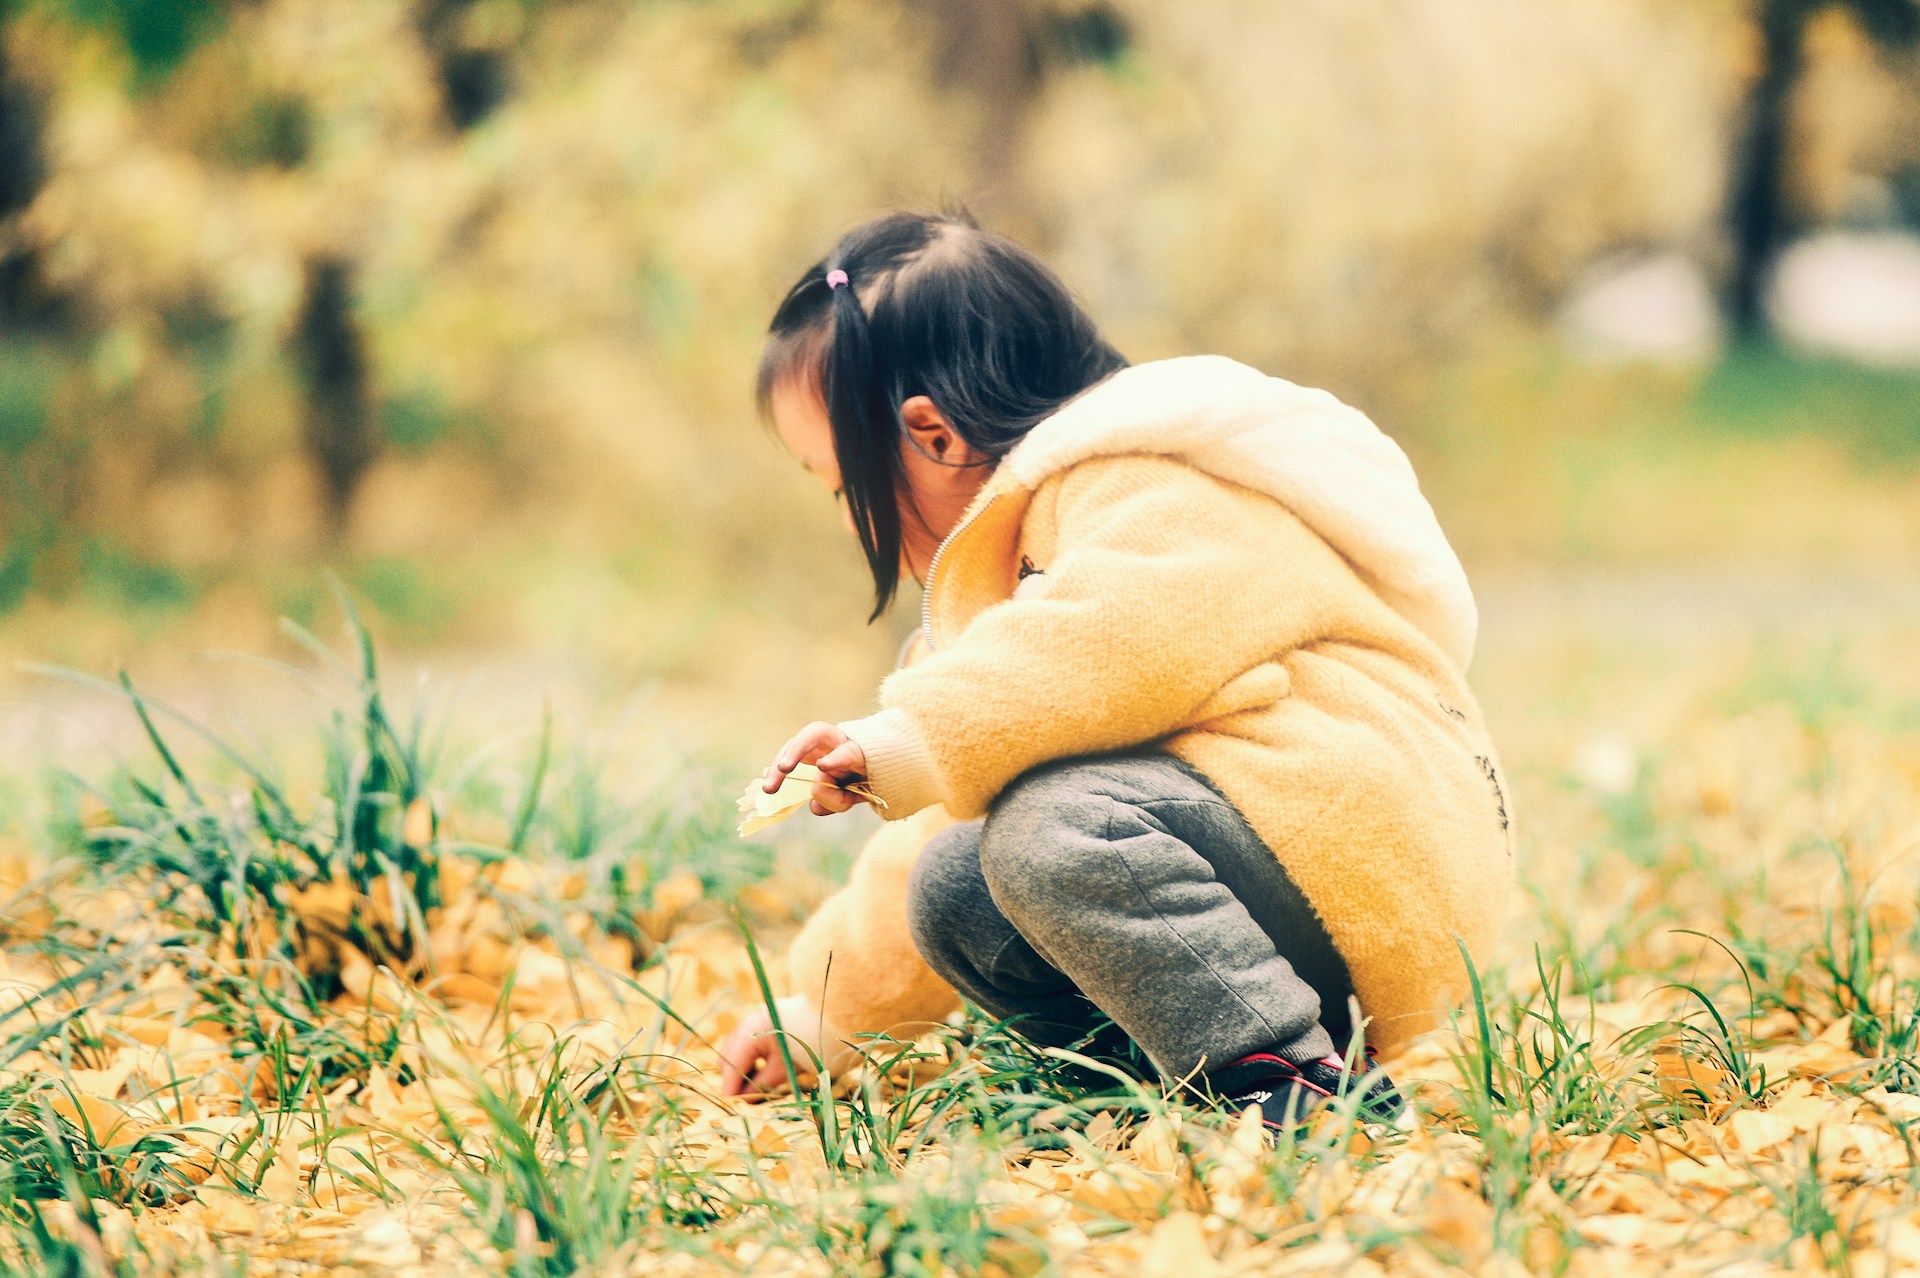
(1288, 1094)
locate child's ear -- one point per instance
(931, 434)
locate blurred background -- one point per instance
(459, 301)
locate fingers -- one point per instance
(732, 1081)
(750, 1060)
(845, 762)
(835, 754)
(829, 799)
(745, 1052)
(755, 1069)
(771, 1076)
(809, 744)
(806, 745)
(738, 1055)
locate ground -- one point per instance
(428, 1000)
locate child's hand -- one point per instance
(838, 757)
(750, 1059)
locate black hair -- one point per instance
(933, 306)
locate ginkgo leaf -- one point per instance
(760, 810)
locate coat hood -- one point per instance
(1323, 460)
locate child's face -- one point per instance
(941, 472)
(801, 421)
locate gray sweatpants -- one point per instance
(1127, 883)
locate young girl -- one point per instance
(1186, 738)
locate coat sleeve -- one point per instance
(855, 957)
(1165, 585)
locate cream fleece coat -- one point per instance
(1244, 573)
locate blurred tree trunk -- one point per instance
(473, 81)
(988, 50)
(22, 171)
(999, 53)
(331, 354)
(1758, 212)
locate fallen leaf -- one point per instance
(761, 810)
(229, 1215)
(1755, 1130)
(1458, 1219)
(283, 1182)
(1823, 1057)
(1177, 1248)
(1156, 1146)
(1682, 1078)
(384, 1240)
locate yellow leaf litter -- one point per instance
(1652, 1139)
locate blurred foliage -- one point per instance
(1872, 413)
(442, 291)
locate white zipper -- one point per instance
(933, 566)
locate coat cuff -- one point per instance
(900, 768)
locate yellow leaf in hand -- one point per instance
(759, 810)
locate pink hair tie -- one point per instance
(835, 279)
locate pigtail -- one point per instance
(969, 319)
(864, 439)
